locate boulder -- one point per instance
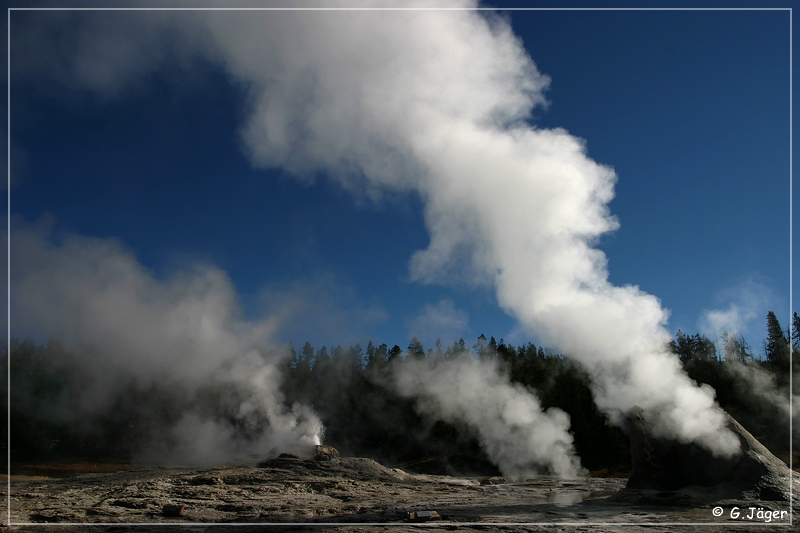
(669, 465)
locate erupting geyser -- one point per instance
(441, 109)
(431, 102)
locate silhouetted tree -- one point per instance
(355, 357)
(776, 345)
(458, 347)
(436, 353)
(485, 349)
(371, 353)
(691, 348)
(394, 354)
(735, 348)
(415, 349)
(376, 359)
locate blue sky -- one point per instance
(690, 108)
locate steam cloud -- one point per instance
(517, 435)
(432, 102)
(745, 304)
(759, 386)
(127, 327)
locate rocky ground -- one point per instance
(356, 494)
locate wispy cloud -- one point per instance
(442, 320)
(323, 309)
(741, 310)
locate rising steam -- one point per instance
(433, 102)
(517, 435)
(125, 327)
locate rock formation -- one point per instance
(325, 453)
(669, 465)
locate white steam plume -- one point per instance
(509, 422)
(126, 327)
(435, 102)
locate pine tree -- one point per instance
(776, 345)
(355, 358)
(437, 353)
(691, 348)
(415, 349)
(371, 353)
(735, 348)
(457, 348)
(308, 354)
(480, 346)
(394, 354)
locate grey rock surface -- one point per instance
(348, 494)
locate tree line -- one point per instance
(350, 390)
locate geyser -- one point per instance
(443, 98)
(431, 102)
(667, 464)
